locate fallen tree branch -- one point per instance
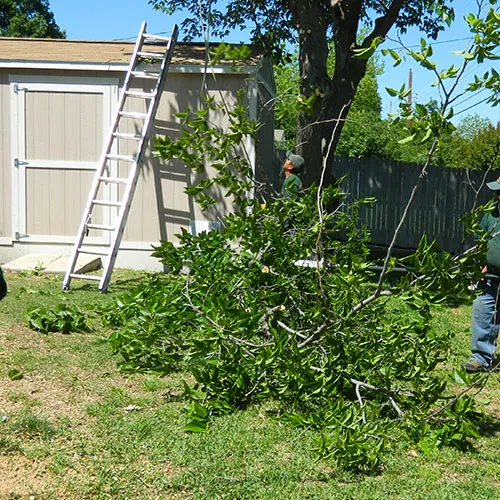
(290, 330)
(259, 378)
(313, 335)
(388, 393)
(481, 383)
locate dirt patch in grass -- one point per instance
(47, 392)
(22, 478)
(59, 393)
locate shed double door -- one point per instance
(58, 137)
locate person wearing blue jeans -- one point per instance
(485, 308)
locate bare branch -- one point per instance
(390, 394)
(384, 23)
(260, 377)
(481, 383)
(313, 335)
(369, 300)
(290, 330)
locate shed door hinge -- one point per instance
(18, 162)
(18, 88)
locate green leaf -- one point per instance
(367, 52)
(196, 426)
(408, 139)
(15, 374)
(426, 137)
(421, 110)
(458, 379)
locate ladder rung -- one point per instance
(114, 180)
(131, 137)
(148, 36)
(151, 55)
(106, 203)
(90, 251)
(145, 74)
(100, 227)
(85, 277)
(121, 157)
(131, 114)
(144, 95)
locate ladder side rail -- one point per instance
(160, 85)
(116, 238)
(102, 164)
(130, 189)
(123, 96)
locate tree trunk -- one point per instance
(329, 98)
(311, 21)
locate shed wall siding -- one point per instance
(160, 207)
(5, 173)
(64, 126)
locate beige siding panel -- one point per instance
(55, 200)
(160, 207)
(5, 160)
(91, 140)
(58, 126)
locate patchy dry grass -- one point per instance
(74, 427)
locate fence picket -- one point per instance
(444, 196)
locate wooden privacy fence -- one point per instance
(443, 197)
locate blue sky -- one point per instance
(121, 19)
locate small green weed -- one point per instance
(8, 446)
(15, 374)
(36, 271)
(63, 318)
(31, 426)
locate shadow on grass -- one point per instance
(489, 427)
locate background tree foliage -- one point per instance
(479, 151)
(28, 19)
(364, 132)
(313, 24)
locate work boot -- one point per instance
(474, 366)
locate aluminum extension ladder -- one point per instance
(149, 49)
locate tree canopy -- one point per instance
(313, 24)
(28, 19)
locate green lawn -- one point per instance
(74, 427)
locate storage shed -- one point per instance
(57, 99)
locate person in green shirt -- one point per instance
(293, 166)
(485, 310)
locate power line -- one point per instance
(132, 38)
(472, 106)
(470, 97)
(438, 42)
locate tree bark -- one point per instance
(311, 20)
(319, 126)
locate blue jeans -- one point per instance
(485, 324)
